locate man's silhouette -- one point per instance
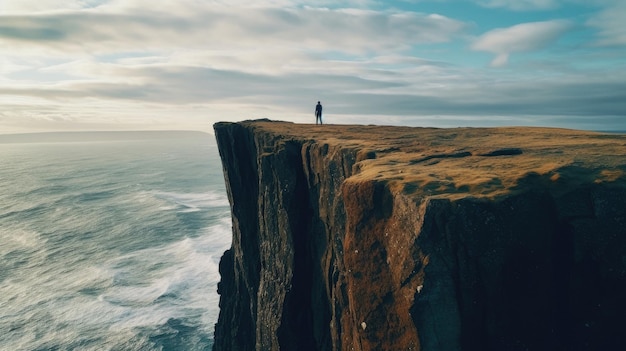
(318, 112)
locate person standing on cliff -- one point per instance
(318, 112)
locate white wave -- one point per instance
(16, 238)
(145, 288)
(185, 281)
(62, 280)
(191, 202)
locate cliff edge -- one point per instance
(399, 238)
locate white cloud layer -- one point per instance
(520, 5)
(184, 64)
(106, 29)
(611, 23)
(523, 37)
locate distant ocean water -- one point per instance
(110, 241)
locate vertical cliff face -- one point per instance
(383, 238)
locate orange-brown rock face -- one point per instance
(397, 238)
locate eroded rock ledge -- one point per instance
(397, 238)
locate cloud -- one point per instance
(38, 6)
(435, 90)
(523, 37)
(520, 5)
(187, 63)
(611, 24)
(427, 93)
(108, 29)
(254, 54)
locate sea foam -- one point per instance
(111, 246)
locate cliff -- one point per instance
(398, 238)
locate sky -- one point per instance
(73, 65)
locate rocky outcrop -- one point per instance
(396, 238)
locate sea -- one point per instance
(110, 240)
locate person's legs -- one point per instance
(318, 116)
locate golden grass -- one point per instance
(483, 162)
